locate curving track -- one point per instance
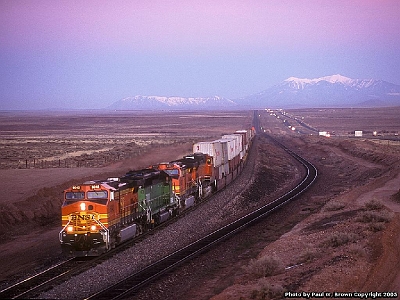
(133, 283)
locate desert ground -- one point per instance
(341, 236)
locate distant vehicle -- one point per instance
(358, 133)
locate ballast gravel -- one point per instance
(222, 208)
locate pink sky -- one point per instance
(88, 51)
(172, 24)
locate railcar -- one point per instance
(191, 176)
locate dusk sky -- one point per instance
(89, 54)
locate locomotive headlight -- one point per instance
(93, 228)
(83, 206)
(70, 228)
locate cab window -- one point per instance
(74, 195)
(97, 195)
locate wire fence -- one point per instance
(91, 161)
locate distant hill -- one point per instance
(329, 91)
(172, 103)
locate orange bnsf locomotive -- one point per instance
(98, 215)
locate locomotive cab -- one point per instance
(88, 214)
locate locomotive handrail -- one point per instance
(106, 230)
(62, 230)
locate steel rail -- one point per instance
(22, 288)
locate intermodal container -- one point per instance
(213, 149)
(230, 144)
(245, 137)
(238, 142)
(224, 147)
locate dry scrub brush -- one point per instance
(374, 215)
(266, 290)
(373, 204)
(358, 250)
(308, 255)
(265, 266)
(334, 206)
(371, 216)
(339, 238)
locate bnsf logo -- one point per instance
(82, 217)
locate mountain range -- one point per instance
(328, 91)
(172, 103)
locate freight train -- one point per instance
(98, 215)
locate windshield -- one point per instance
(74, 195)
(97, 195)
(100, 197)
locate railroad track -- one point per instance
(130, 285)
(37, 283)
(32, 286)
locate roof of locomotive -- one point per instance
(143, 177)
(192, 160)
(143, 173)
(133, 178)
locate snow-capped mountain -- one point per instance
(301, 83)
(328, 91)
(172, 103)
